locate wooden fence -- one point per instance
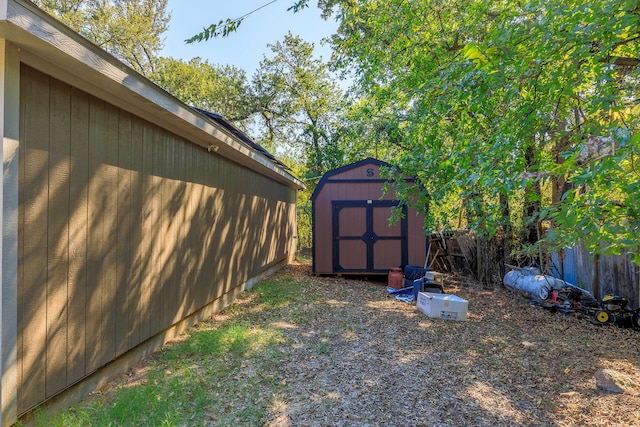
(456, 252)
(600, 275)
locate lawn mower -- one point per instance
(612, 309)
(557, 295)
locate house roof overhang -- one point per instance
(47, 44)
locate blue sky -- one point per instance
(246, 48)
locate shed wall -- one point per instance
(359, 183)
(124, 229)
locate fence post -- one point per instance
(595, 284)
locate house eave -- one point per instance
(49, 45)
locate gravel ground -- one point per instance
(361, 358)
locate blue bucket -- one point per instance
(418, 286)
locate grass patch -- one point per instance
(278, 292)
(304, 256)
(323, 347)
(216, 376)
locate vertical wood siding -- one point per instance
(616, 274)
(124, 230)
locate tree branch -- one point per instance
(624, 42)
(621, 61)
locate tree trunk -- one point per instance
(595, 284)
(532, 199)
(559, 186)
(506, 233)
(475, 215)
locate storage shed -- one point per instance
(126, 214)
(351, 229)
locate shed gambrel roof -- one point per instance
(327, 177)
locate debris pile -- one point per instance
(405, 287)
(557, 295)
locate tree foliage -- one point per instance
(496, 101)
(220, 89)
(298, 103)
(224, 27)
(129, 29)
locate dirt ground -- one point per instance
(362, 358)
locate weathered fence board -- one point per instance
(615, 274)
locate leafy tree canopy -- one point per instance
(494, 98)
(220, 89)
(531, 104)
(298, 103)
(128, 29)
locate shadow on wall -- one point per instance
(124, 229)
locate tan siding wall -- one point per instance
(124, 229)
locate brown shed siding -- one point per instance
(124, 229)
(348, 191)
